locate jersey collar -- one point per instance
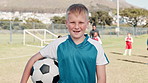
(81, 45)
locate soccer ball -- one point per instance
(45, 71)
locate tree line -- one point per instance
(131, 15)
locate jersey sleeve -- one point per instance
(49, 51)
(101, 56)
(100, 40)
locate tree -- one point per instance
(101, 18)
(33, 20)
(58, 20)
(134, 15)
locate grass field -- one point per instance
(122, 69)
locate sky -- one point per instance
(139, 3)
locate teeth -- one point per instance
(76, 31)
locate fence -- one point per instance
(122, 31)
(12, 32)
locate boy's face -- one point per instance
(77, 24)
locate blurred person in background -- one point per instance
(97, 38)
(94, 29)
(128, 41)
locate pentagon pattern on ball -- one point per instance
(45, 69)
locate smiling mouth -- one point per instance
(76, 31)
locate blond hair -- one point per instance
(77, 9)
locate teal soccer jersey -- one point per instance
(77, 63)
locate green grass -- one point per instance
(16, 38)
(122, 69)
(126, 69)
(13, 59)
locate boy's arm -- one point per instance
(125, 39)
(101, 73)
(132, 40)
(28, 67)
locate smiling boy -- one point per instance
(80, 58)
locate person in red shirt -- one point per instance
(96, 37)
(129, 41)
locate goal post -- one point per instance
(37, 37)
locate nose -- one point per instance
(77, 26)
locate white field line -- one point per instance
(15, 57)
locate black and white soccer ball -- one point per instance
(45, 71)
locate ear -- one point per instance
(66, 23)
(88, 23)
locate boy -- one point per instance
(129, 41)
(79, 57)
